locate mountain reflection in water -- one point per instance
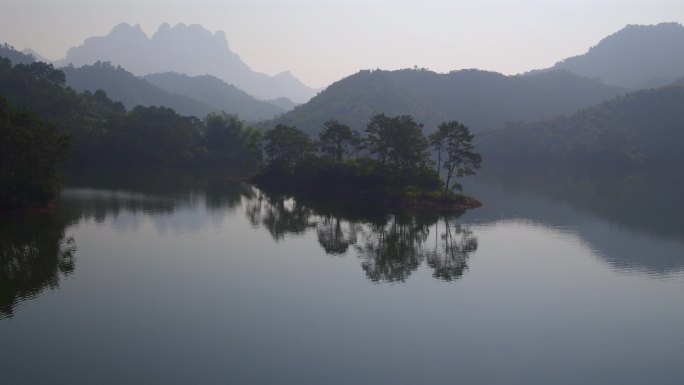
(632, 221)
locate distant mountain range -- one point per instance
(638, 56)
(214, 92)
(123, 86)
(479, 99)
(188, 95)
(185, 49)
(632, 58)
(644, 127)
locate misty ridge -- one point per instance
(185, 49)
(586, 107)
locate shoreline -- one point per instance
(368, 201)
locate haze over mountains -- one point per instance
(185, 49)
(638, 56)
(193, 96)
(123, 86)
(544, 103)
(214, 92)
(479, 99)
(640, 128)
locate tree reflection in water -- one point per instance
(453, 245)
(390, 247)
(34, 252)
(336, 235)
(279, 215)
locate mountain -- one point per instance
(284, 103)
(123, 86)
(640, 128)
(16, 57)
(186, 49)
(36, 55)
(638, 56)
(216, 93)
(478, 99)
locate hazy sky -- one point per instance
(321, 41)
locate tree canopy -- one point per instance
(337, 139)
(398, 142)
(31, 153)
(396, 166)
(456, 142)
(287, 145)
(103, 133)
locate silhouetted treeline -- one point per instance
(9, 52)
(31, 153)
(103, 133)
(390, 164)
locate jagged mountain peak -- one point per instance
(125, 27)
(184, 48)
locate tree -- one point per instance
(336, 139)
(288, 145)
(398, 142)
(31, 153)
(223, 134)
(455, 139)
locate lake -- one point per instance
(193, 278)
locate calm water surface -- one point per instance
(175, 278)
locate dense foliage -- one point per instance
(640, 128)
(454, 140)
(395, 169)
(31, 152)
(105, 134)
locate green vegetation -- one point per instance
(104, 134)
(101, 133)
(638, 129)
(455, 140)
(395, 170)
(31, 152)
(479, 99)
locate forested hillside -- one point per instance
(637, 56)
(645, 127)
(479, 99)
(216, 93)
(16, 57)
(124, 87)
(103, 133)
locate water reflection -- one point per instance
(390, 246)
(34, 253)
(102, 194)
(632, 219)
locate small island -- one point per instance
(390, 166)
